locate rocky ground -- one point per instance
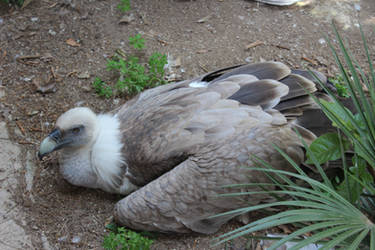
(51, 51)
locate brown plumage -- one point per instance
(178, 144)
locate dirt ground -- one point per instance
(204, 34)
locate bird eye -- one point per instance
(76, 130)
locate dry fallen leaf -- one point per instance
(72, 42)
(44, 88)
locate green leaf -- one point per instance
(326, 148)
(339, 111)
(124, 5)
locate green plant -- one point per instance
(124, 239)
(101, 88)
(124, 5)
(137, 41)
(340, 86)
(14, 2)
(335, 215)
(133, 75)
(156, 64)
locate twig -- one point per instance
(203, 67)
(35, 130)
(28, 57)
(280, 46)
(313, 62)
(53, 72)
(20, 127)
(71, 73)
(254, 44)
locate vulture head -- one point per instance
(74, 130)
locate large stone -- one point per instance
(12, 234)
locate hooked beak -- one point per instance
(51, 143)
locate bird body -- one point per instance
(171, 149)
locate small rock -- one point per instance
(26, 79)
(204, 19)
(357, 7)
(79, 103)
(44, 89)
(241, 17)
(34, 19)
(322, 41)
(116, 101)
(83, 75)
(1, 20)
(47, 57)
(51, 32)
(86, 88)
(127, 19)
(249, 59)
(76, 240)
(62, 238)
(32, 113)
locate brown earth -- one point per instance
(204, 34)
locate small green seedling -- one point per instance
(156, 63)
(125, 239)
(339, 84)
(101, 88)
(124, 5)
(137, 41)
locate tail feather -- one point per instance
(298, 85)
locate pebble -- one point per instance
(34, 19)
(1, 21)
(83, 75)
(32, 113)
(62, 239)
(51, 32)
(249, 59)
(357, 7)
(116, 101)
(26, 79)
(322, 41)
(79, 103)
(76, 240)
(127, 19)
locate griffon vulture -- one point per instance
(170, 149)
